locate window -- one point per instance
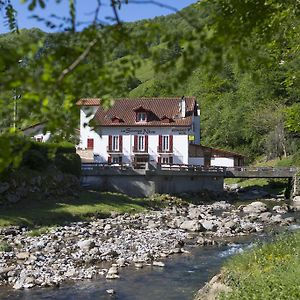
(90, 144)
(115, 143)
(117, 159)
(166, 160)
(141, 143)
(165, 143)
(141, 117)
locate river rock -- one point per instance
(22, 255)
(265, 217)
(255, 207)
(280, 209)
(110, 291)
(209, 225)
(213, 289)
(191, 225)
(86, 245)
(158, 263)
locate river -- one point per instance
(180, 279)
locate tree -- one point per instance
(58, 69)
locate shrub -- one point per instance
(35, 160)
(68, 163)
(5, 247)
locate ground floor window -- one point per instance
(116, 159)
(166, 160)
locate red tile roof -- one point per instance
(89, 102)
(158, 109)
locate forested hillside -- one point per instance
(252, 110)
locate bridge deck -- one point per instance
(260, 172)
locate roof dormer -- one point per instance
(116, 119)
(142, 114)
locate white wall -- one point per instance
(37, 132)
(222, 161)
(100, 136)
(198, 161)
(86, 114)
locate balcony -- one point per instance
(160, 150)
(136, 150)
(110, 150)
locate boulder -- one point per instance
(158, 264)
(209, 225)
(86, 245)
(191, 225)
(22, 255)
(255, 207)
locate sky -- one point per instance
(129, 12)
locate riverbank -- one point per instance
(79, 250)
(269, 271)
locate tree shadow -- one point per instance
(88, 205)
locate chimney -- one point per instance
(182, 107)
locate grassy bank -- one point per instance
(271, 271)
(88, 205)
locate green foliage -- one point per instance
(270, 271)
(68, 163)
(35, 160)
(5, 247)
(216, 50)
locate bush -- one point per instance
(68, 163)
(5, 247)
(35, 160)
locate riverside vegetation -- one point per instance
(271, 271)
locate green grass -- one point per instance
(273, 186)
(269, 272)
(90, 204)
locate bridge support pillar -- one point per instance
(296, 185)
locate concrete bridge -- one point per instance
(175, 178)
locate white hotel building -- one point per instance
(154, 130)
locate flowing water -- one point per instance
(180, 279)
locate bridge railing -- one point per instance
(261, 169)
(103, 166)
(195, 168)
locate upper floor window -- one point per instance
(141, 143)
(141, 117)
(115, 143)
(165, 143)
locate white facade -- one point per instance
(166, 144)
(222, 161)
(99, 140)
(37, 133)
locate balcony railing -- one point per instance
(110, 150)
(136, 150)
(161, 150)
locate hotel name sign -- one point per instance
(181, 131)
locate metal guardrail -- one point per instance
(195, 168)
(226, 171)
(262, 169)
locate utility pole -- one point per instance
(16, 97)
